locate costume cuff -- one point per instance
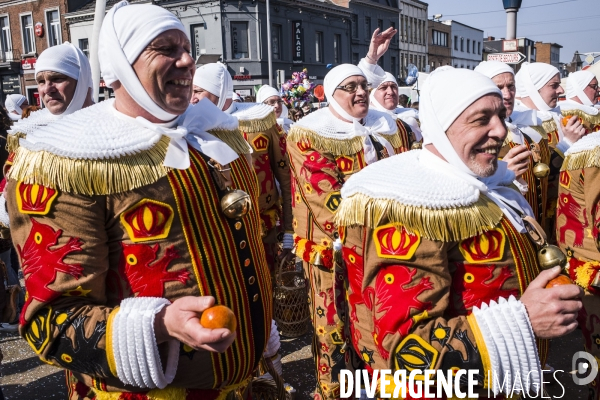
(373, 72)
(134, 347)
(288, 241)
(563, 145)
(510, 345)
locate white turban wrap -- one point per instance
(265, 92)
(438, 114)
(533, 77)
(576, 83)
(125, 33)
(493, 68)
(70, 61)
(236, 97)
(12, 103)
(215, 79)
(388, 78)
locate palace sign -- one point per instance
(507, 58)
(298, 41)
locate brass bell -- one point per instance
(550, 256)
(416, 146)
(236, 203)
(596, 282)
(541, 170)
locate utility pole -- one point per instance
(270, 60)
(94, 61)
(511, 7)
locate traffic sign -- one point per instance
(507, 58)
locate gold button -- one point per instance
(255, 298)
(243, 244)
(251, 280)
(247, 262)
(238, 225)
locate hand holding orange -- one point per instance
(559, 280)
(218, 317)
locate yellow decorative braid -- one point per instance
(91, 177)
(334, 146)
(584, 159)
(12, 141)
(482, 349)
(395, 139)
(585, 272)
(234, 139)
(110, 354)
(258, 125)
(587, 118)
(549, 125)
(447, 225)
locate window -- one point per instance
(403, 28)
(381, 63)
(419, 36)
(84, 46)
(319, 47)
(439, 38)
(462, 44)
(355, 58)
(355, 26)
(479, 48)
(198, 40)
(395, 37)
(5, 42)
(276, 45)
(368, 31)
(380, 25)
(394, 67)
(239, 40)
(455, 42)
(28, 38)
(474, 52)
(53, 23)
(468, 45)
(337, 49)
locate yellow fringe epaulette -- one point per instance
(541, 130)
(337, 147)
(258, 125)
(549, 126)
(233, 139)
(583, 159)
(446, 225)
(91, 177)
(394, 139)
(12, 141)
(588, 119)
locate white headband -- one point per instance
(376, 105)
(125, 33)
(265, 92)
(576, 84)
(533, 77)
(333, 79)
(215, 79)
(70, 61)
(493, 68)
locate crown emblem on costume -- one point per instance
(34, 198)
(304, 145)
(564, 179)
(345, 164)
(147, 220)
(486, 247)
(260, 143)
(395, 242)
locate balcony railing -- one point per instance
(10, 55)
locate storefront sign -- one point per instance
(242, 77)
(298, 40)
(11, 84)
(38, 29)
(28, 63)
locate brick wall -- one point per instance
(543, 52)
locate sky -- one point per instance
(574, 24)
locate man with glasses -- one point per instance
(326, 147)
(578, 213)
(385, 98)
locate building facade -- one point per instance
(28, 27)
(439, 44)
(413, 35)
(467, 45)
(548, 53)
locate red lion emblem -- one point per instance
(313, 171)
(568, 206)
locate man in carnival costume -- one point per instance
(258, 126)
(578, 213)
(326, 147)
(536, 113)
(271, 97)
(436, 251)
(385, 98)
(130, 219)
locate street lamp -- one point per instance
(511, 7)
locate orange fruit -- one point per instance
(559, 280)
(219, 317)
